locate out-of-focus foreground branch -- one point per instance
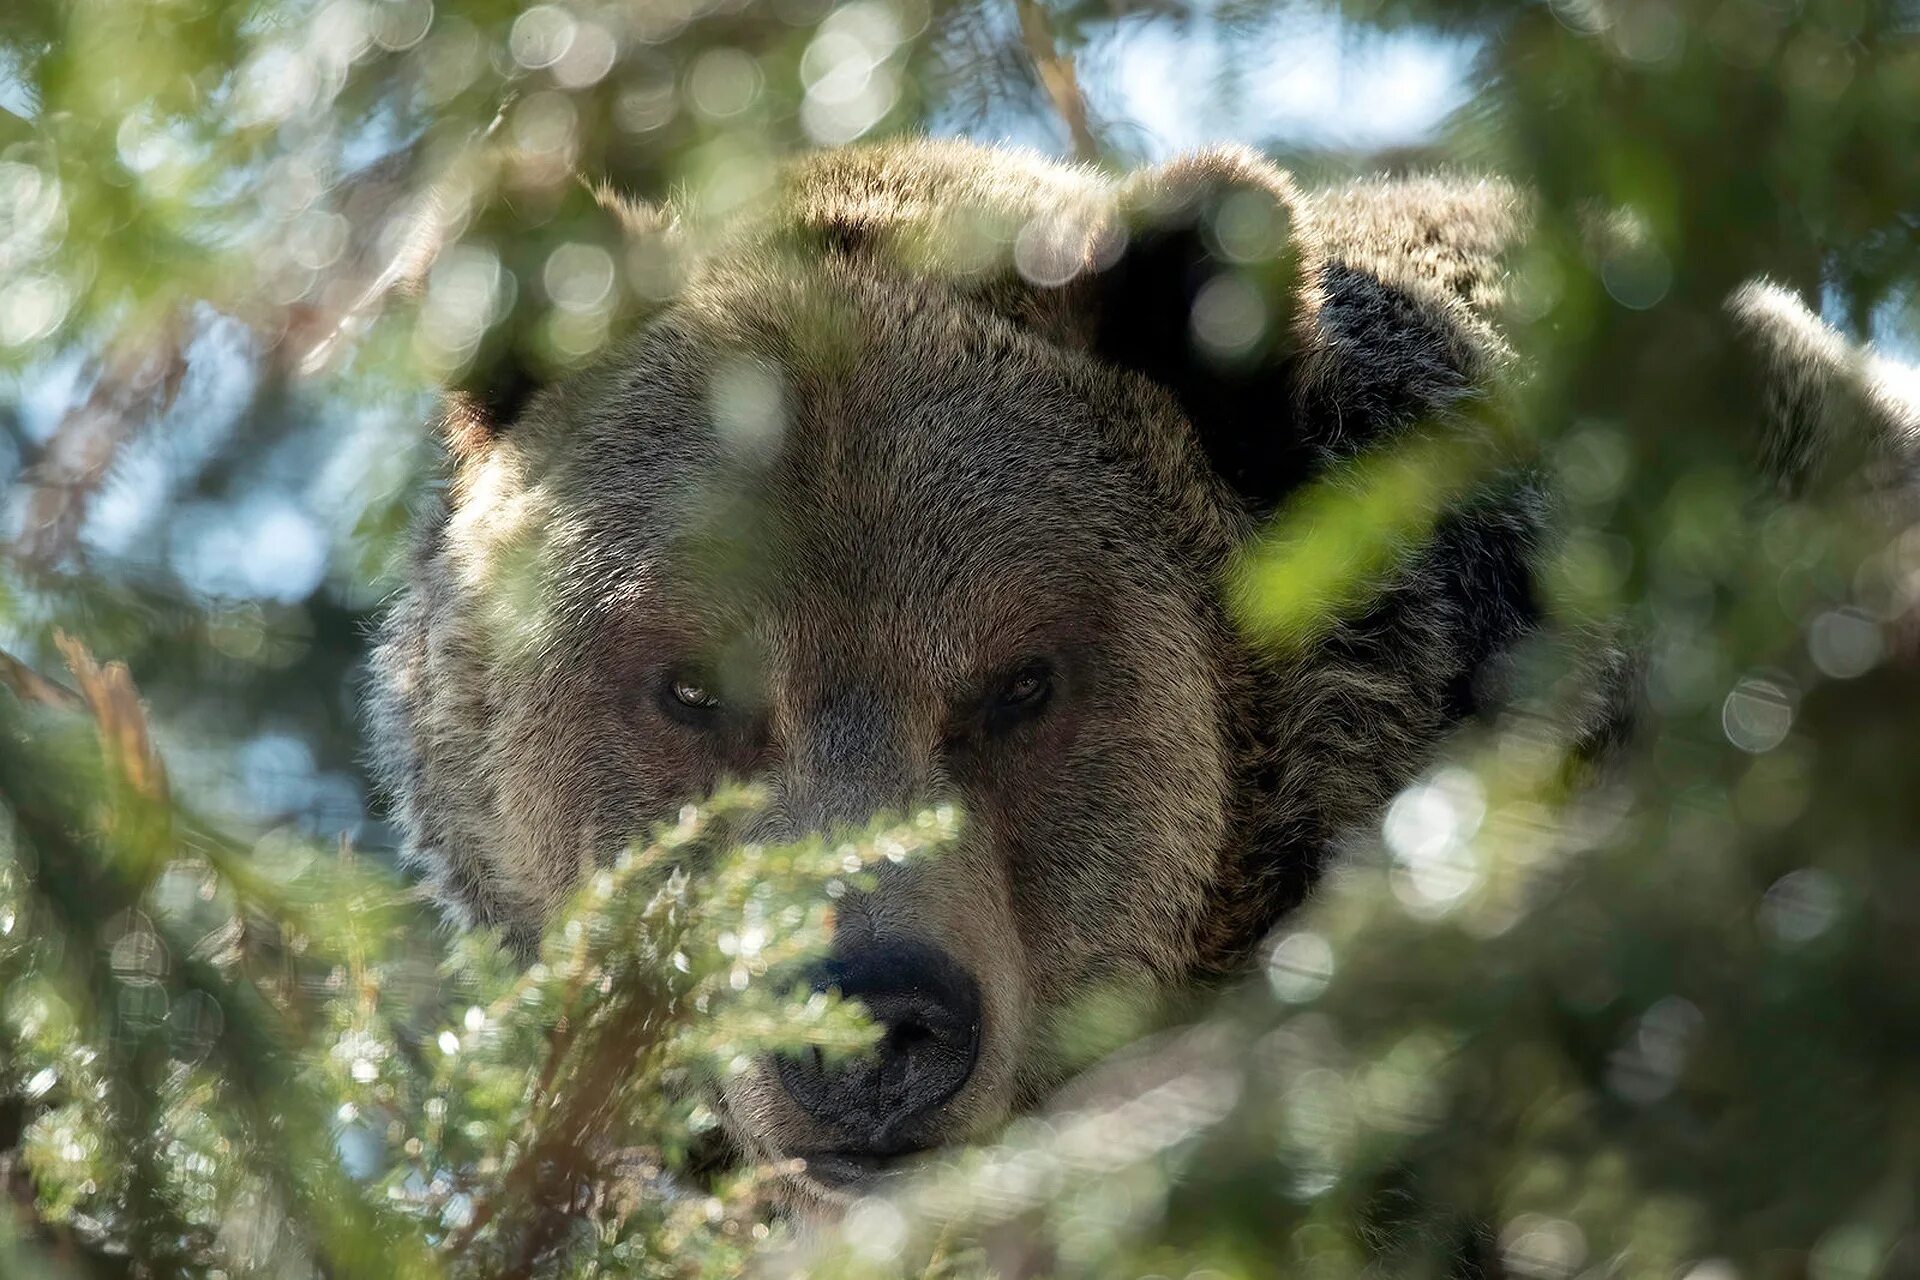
(1058, 77)
(138, 379)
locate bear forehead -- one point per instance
(839, 432)
(843, 369)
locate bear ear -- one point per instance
(1296, 330)
(1831, 410)
(520, 293)
(1203, 285)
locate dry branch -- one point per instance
(115, 704)
(35, 689)
(1057, 76)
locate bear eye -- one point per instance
(689, 696)
(1022, 694)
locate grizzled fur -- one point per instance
(934, 417)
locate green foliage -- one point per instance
(249, 1063)
(1660, 1022)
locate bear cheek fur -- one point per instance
(519, 773)
(1111, 866)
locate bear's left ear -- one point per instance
(1204, 286)
(519, 293)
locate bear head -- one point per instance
(928, 484)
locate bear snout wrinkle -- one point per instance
(928, 1010)
(851, 764)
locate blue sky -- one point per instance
(1306, 77)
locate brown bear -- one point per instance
(930, 482)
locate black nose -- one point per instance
(928, 1010)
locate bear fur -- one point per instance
(938, 418)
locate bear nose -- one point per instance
(928, 1009)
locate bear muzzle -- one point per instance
(887, 1102)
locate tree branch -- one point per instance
(1057, 77)
(138, 380)
(35, 689)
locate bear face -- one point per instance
(878, 535)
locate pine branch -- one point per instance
(139, 377)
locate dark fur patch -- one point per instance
(1384, 360)
(1242, 411)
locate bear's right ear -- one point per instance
(1296, 330)
(1205, 288)
(518, 294)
